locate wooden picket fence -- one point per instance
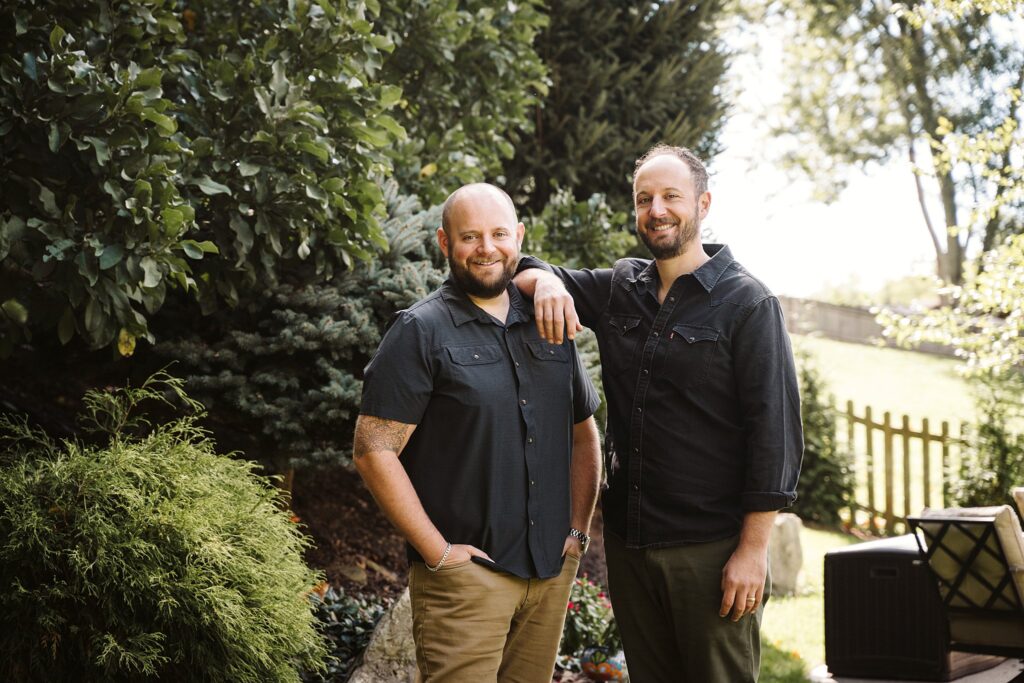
(898, 469)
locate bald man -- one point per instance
(476, 438)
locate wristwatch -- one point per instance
(582, 538)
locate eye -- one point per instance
(641, 201)
(672, 195)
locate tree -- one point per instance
(145, 149)
(470, 77)
(870, 80)
(635, 75)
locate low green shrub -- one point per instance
(348, 622)
(826, 474)
(589, 622)
(145, 555)
(993, 460)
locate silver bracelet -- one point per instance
(442, 560)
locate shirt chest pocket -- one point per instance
(474, 373)
(620, 341)
(549, 366)
(689, 354)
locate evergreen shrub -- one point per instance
(283, 372)
(145, 555)
(826, 475)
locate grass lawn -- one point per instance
(902, 382)
(793, 630)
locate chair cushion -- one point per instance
(1018, 497)
(947, 564)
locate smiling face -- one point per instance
(482, 240)
(668, 208)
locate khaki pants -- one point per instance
(666, 603)
(475, 625)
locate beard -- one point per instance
(482, 289)
(666, 248)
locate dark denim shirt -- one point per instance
(494, 407)
(703, 405)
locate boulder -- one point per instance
(391, 655)
(785, 554)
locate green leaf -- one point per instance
(49, 201)
(111, 256)
(210, 186)
(191, 249)
(164, 124)
(53, 139)
(66, 326)
(14, 310)
(319, 150)
(55, 37)
(152, 270)
(390, 95)
(278, 81)
(100, 147)
(28, 63)
(246, 168)
(149, 78)
(173, 220)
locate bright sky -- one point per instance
(797, 246)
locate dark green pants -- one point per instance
(666, 603)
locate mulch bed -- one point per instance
(355, 545)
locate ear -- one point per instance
(442, 241)
(704, 204)
(520, 234)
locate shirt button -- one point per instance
(476, 355)
(532, 482)
(636, 487)
(645, 371)
(529, 439)
(671, 299)
(639, 410)
(531, 522)
(517, 364)
(636, 450)
(522, 401)
(693, 339)
(551, 351)
(655, 333)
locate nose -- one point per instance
(657, 206)
(486, 244)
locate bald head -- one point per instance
(471, 192)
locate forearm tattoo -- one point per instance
(378, 434)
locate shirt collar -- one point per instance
(707, 275)
(462, 308)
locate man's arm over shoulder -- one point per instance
(563, 298)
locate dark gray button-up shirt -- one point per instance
(703, 404)
(494, 407)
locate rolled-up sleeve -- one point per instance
(770, 400)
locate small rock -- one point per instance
(391, 655)
(785, 554)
